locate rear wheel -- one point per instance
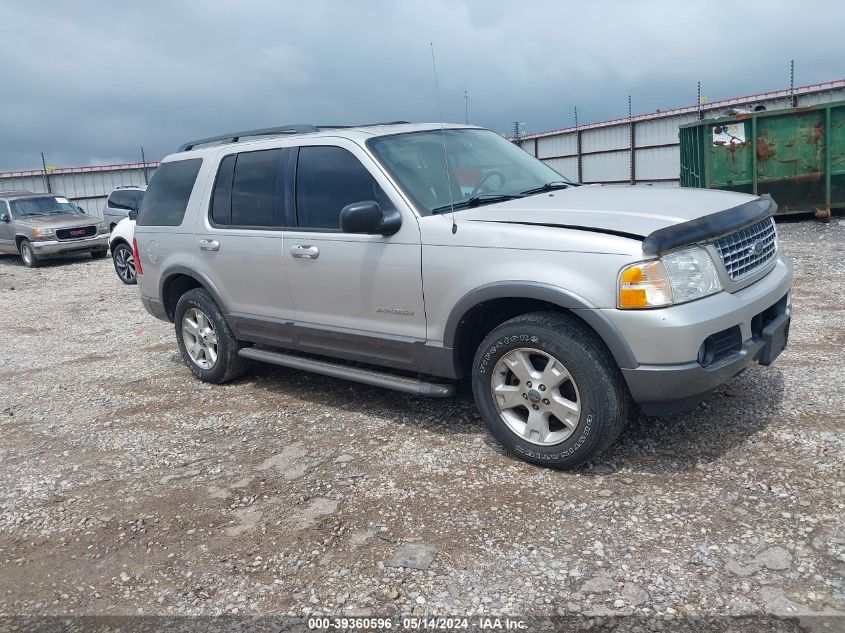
(205, 340)
(30, 259)
(549, 390)
(124, 263)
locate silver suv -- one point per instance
(413, 256)
(121, 202)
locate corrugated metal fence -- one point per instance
(645, 148)
(89, 187)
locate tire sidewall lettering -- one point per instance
(492, 353)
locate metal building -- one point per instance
(89, 187)
(645, 148)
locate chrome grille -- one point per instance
(748, 249)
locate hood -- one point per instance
(628, 210)
(59, 220)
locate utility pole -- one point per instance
(46, 174)
(792, 83)
(698, 101)
(631, 157)
(144, 163)
(577, 146)
(466, 106)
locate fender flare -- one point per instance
(201, 279)
(579, 306)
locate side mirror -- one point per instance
(133, 214)
(367, 217)
(4, 217)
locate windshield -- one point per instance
(483, 168)
(42, 206)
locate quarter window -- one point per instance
(249, 191)
(327, 179)
(167, 196)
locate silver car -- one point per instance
(121, 202)
(39, 226)
(415, 256)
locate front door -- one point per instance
(240, 244)
(354, 295)
(7, 234)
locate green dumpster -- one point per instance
(795, 155)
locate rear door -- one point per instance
(240, 243)
(354, 295)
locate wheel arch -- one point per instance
(178, 280)
(478, 312)
(119, 240)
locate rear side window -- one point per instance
(327, 179)
(125, 198)
(249, 190)
(167, 196)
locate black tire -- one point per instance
(228, 365)
(30, 259)
(122, 252)
(601, 391)
(99, 254)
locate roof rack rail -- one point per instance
(234, 137)
(296, 128)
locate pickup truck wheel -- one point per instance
(207, 344)
(30, 259)
(548, 390)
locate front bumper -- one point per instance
(56, 248)
(739, 329)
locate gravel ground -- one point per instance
(127, 486)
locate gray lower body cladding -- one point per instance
(664, 355)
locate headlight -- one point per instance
(102, 228)
(43, 234)
(692, 274)
(674, 278)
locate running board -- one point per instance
(337, 370)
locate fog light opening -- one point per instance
(706, 352)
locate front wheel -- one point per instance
(124, 263)
(207, 344)
(99, 254)
(30, 259)
(549, 390)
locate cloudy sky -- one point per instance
(91, 82)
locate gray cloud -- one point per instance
(87, 82)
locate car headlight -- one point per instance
(674, 278)
(102, 228)
(43, 234)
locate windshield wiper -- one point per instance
(475, 201)
(549, 186)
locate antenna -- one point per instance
(443, 136)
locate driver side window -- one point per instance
(327, 179)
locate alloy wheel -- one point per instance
(125, 264)
(536, 396)
(200, 338)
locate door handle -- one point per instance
(305, 251)
(209, 245)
